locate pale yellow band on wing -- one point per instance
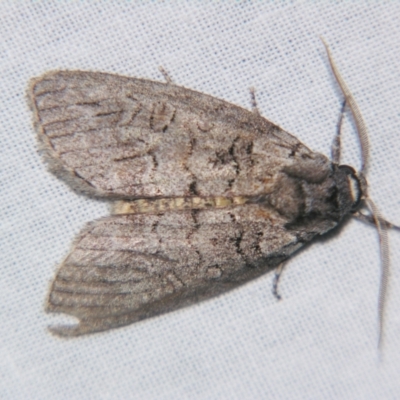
(150, 206)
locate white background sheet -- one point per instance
(320, 341)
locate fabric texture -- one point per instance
(320, 340)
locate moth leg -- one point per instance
(369, 219)
(336, 145)
(278, 273)
(253, 101)
(166, 75)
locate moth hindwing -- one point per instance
(206, 195)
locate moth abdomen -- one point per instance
(161, 205)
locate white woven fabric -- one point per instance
(320, 341)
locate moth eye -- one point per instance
(354, 186)
(355, 191)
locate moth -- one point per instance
(205, 195)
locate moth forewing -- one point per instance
(206, 195)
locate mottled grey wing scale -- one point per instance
(129, 267)
(125, 138)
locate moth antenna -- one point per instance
(378, 221)
(385, 270)
(166, 75)
(358, 119)
(336, 144)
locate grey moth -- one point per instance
(205, 195)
